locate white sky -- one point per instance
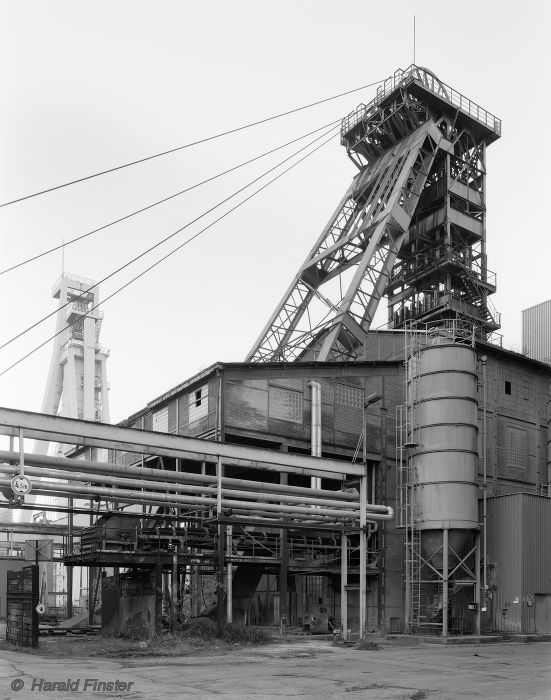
(91, 85)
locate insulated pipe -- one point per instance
(316, 427)
(65, 467)
(147, 497)
(68, 463)
(114, 494)
(313, 519)
(167, 486)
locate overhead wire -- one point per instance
(180, 246)
(159, 243)
(162, 201)
(188, 145)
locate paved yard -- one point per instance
(311, 669)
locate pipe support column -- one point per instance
(344, 583)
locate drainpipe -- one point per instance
(316, 428)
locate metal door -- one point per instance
(543, 613)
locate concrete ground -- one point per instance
(306, 669)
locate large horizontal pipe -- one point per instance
(69, 464)
(139, 497)
(42, 426)
(167, 486)
(384, 512)
(321, 518)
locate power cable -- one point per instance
(81, 297)
(161, 201)
(188, 145)
(174, 250)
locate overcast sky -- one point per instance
(90, 85)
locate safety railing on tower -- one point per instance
(401, 78)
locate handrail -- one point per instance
(430, 81)
(438, 253)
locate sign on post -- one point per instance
(20, 485)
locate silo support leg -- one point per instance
(477, 586)
(445, 597)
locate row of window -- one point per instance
(522, 391)
(283, 404)
(198, 407)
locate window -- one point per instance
(526, 390)
(508, 388)
(198, 403)
(349, 395)
(349, 402)
(160, 420)
(285, 404)
(516, 447)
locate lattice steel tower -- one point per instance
(411, 227)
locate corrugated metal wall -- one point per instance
(536, 331)
(537, 556)
(519, 555)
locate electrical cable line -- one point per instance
(189, 145)
(161, 201)
(180, 246)
(81, 297)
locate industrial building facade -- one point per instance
(410, 462)
(269, 405)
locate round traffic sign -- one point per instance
(21, 485)
(40, 608)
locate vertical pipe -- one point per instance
(219, 487)
(221, 543)
(485, 475)
(174, 590)
(363, 554)
(316, 428)
(229, 577)
(283, 594)
(381, 531)
(70, 568)
(344, 583)
(220, 577)
(21, 453)
(219, 408)
(283, 571)
(445, 597)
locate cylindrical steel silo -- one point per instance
(442, 386)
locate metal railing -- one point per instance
(401, 78)
(84, 281)
(441, 253)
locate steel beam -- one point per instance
(41, 426)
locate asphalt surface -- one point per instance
(310, 669)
